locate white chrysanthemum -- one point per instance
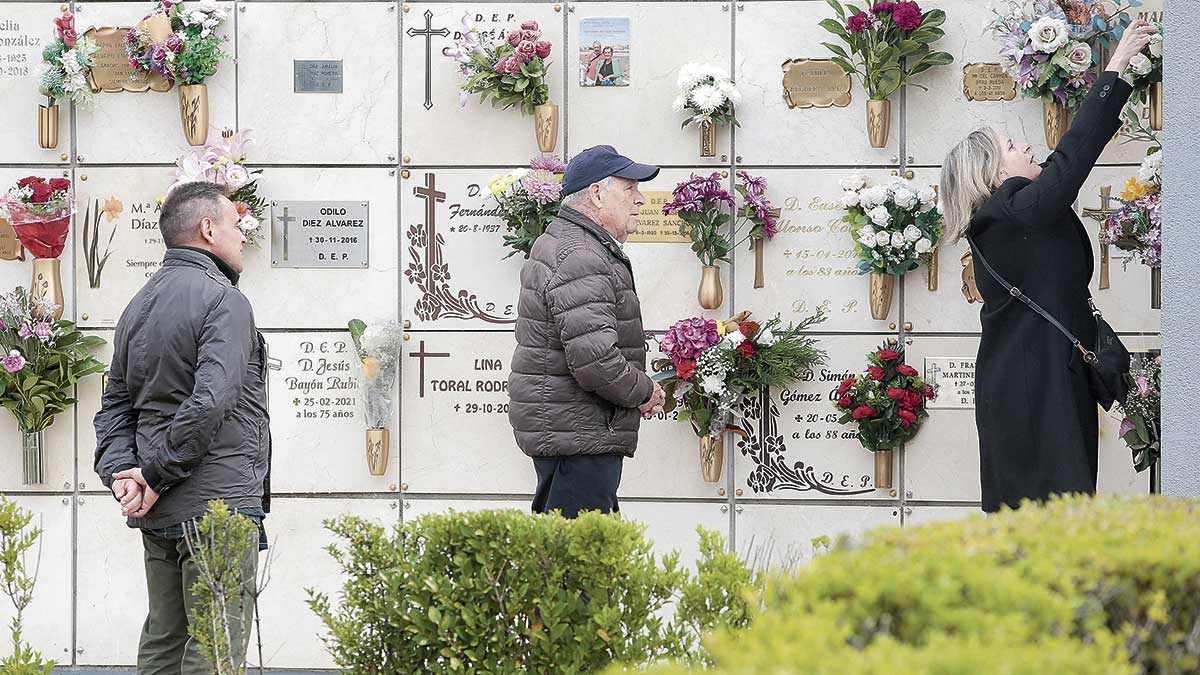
(904, 198)
(735, 338)
(730, 90)
(912, 233)
(849, 199)
(924, 246)
(867, 239)
(715, 72)
(1151, 169)
(707, 98)
(897, 240)
(855, 181)
(713, 384)
(679, 104)
(927, 194)
(880, 216)
(1047, 34)
(689, 76)
(1141, 64)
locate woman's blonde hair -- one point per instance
(970, 174)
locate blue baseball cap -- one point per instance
(595, 164)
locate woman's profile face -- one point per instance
(1016, 159)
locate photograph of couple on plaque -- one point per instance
(604, 52)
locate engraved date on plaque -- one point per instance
(988, 82)
(319, 234)
(655, 227)
(954, 378)
(112, 72)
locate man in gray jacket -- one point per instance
(578, 388)
(184, 417)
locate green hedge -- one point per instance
(508, 592)
(1078, 586)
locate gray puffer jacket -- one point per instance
(578, 373)
(186, 398)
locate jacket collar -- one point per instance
(593, 228)
(189, 255)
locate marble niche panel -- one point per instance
(144, 127)
(797, 449)
(915, 516)
(456, 436)
(111, 595)
(638, 118)
(933, 130)
(356, 126)
(766, 35)
(781, 535)
(811, 263)
(430, 104)
(26, 30)
(47, 619)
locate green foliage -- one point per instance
(16, 538)
(219, 543)
(1109, 586)
(501, 592)
(704, 228)
(525, 89)
(526, 220)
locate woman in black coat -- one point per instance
(1037, 418)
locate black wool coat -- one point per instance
(1037, 419)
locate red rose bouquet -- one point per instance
(40, 211)
(888, 403)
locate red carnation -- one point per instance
(858, 22)
(529, 25)
(887, 354)
(514, 38)
(863, 412)
(685, 369)
(60, 183)
(905, 369)
(746, 349)
(907, 418)
(929, 392)
(907, 15)
(897, 394)
(845, 386)
(30, 180)
(911, 400)
(543, 48)
(845, 401)
(875, 372)
(41, 193)
(749, 328)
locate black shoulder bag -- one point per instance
(1106, 367)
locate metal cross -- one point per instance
(285, 219)
(428, 32)
(431, 196)
(422, 354)
(1101, 215)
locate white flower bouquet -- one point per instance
(708, 93)
(895, 225)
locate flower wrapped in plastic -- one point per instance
(378, 348)
(40, 211)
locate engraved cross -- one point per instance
(422, 354)
(428, 32)
(1101, 215)
(285, 219)
(431, 196)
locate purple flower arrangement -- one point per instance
(528, 200)
(1137, 225)
(687, 338)
(703, 203)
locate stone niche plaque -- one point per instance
(319, 234)
(954, 376)
(987, 82)
(112, 72)
(10, 246)
(655, 227)
(815, 83)
(317, 77)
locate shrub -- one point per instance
(506, 592)
(1077, 586)
(17, 537)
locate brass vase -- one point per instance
(1055, 120)
(193, 112)
(1155, 288)
(48, 126)
(1155, 106)
(712, 457)
(545, 126)
(710, 294)
(708, 139)
(47, 286)
(882, 286)
(377, 451)
(879, 122)
(33, 457)
(883, 468)
(759, 281)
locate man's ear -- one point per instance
(208, 230)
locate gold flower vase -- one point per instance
(1155, 106)
(1055, 121)
(708, 139)
(48, 126)
(932, 281)
(712, 457)
(884, 459)
(47, 286)
(759, 281)
(193, 112)
(711, 296)
(879, 122)
(545, 126)
(882, 287)
(1155, 288)
(377, 451)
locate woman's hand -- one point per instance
(1135, 38)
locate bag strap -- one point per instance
(1088, 356)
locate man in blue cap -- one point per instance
(578, 388)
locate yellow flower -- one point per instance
(1134, 190)
(722, 329)
(112, 208)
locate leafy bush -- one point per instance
(1078, 586)
(506, 592)
(17, 537)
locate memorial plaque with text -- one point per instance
(319, 234)
(656, 227)
(10, 246)
(988, 82)
(954, 378)
(112, 72)
(815, 83)
(317, 77)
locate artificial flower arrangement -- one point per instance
(895, 226)
(511, 73)
(711, 365)
(707, 209)
(885, 47)
(68, 59)
(1141, 428)
(40, 211)
(181, 45)
(224, 162)
(378, 349)
(710, 95)
(528, 201)
(42, 361)
(888, 403)
(1137, 225)
(1146, 75)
